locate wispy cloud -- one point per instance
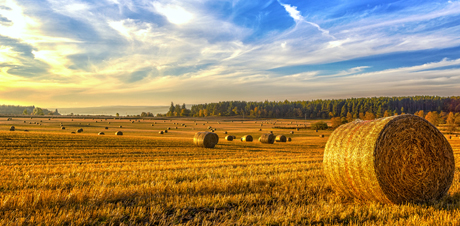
(151, 52)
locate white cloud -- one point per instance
(175, 14)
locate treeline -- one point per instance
(322, 109)
(25, 110)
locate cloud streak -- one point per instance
(139, 52)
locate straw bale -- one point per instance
(397, 159)
(267, 138)
(79, 130)
(121, 126)
(289, 139)
(322, 135)
(165, 131)
(246, 138)
(106, 127)
(63, 127)
(161, 132)
(12, 128)
(205, 139)
(280, 138)
(119, 133)
(292, 132)
(101, 133)
(229, 138)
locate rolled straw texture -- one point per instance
(229, 138)
(205, 139)
(396, 159)
(280, 138)
(267, 138)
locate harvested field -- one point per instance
(50, 176)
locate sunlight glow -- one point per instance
(174, 14)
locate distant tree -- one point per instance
(25, 112)
(38, 111)
(118, 115)
(319, 125)
(450, 118)
(336, 122)
(144, 114)
(386, 113)
(349, 117)
(432, 117)
(369, 116)
(361, 116)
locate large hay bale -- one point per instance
(395, 159)
(267, 138)
(119, 133)
(229, 138)
(101, 133)
(12, 128)
(205, 139)
(246, 138)
(280, 138)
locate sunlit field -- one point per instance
(50, 176)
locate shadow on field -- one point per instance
(448, 202)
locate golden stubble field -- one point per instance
(49, 176)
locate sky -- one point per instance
(85, 53)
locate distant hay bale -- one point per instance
(132, 121)
(321, 136)
(79, 130)
(101, 133)
(205, 139)
(12, 128)
(169, 128)
(161, 132)
(106, 127)
(246, 138)
(267, 138)
(260, 129)
(234, 137)
(225, 132)
(176, 127)
(280, 138)
(292, 132)
(297, 129)
(28, 130)
(109, 122)
(395, 159)
(229, 138)
(121, 126)
(165, 131)
(151, 124)
(119, 133)
(289, 139)
(63, 128)
(316, 131)
(212, 131)
(72, 132)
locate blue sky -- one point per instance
(56, 53)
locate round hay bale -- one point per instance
(225, 132)
(106, 127)
(109, 122)
(165, 131)
(316, 130)
(151, 124)
(267, 138)
(169, 128)
(101, 133)
(247, 138)
(289, 139)
(321, 136)
(26, 130)
(280, 138)
(79, 130)
(229, 138)
(234, 137)
(63, 128)
(161, 132)
(132, 121)
(12, 128)
(24, 121)
(119, 133)
(297, 129)
(260, 129)
(212, 131)
(121, 126)
(72, 132)
(205, 139)
(292, 132)
(176, 127)
(395, 159)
